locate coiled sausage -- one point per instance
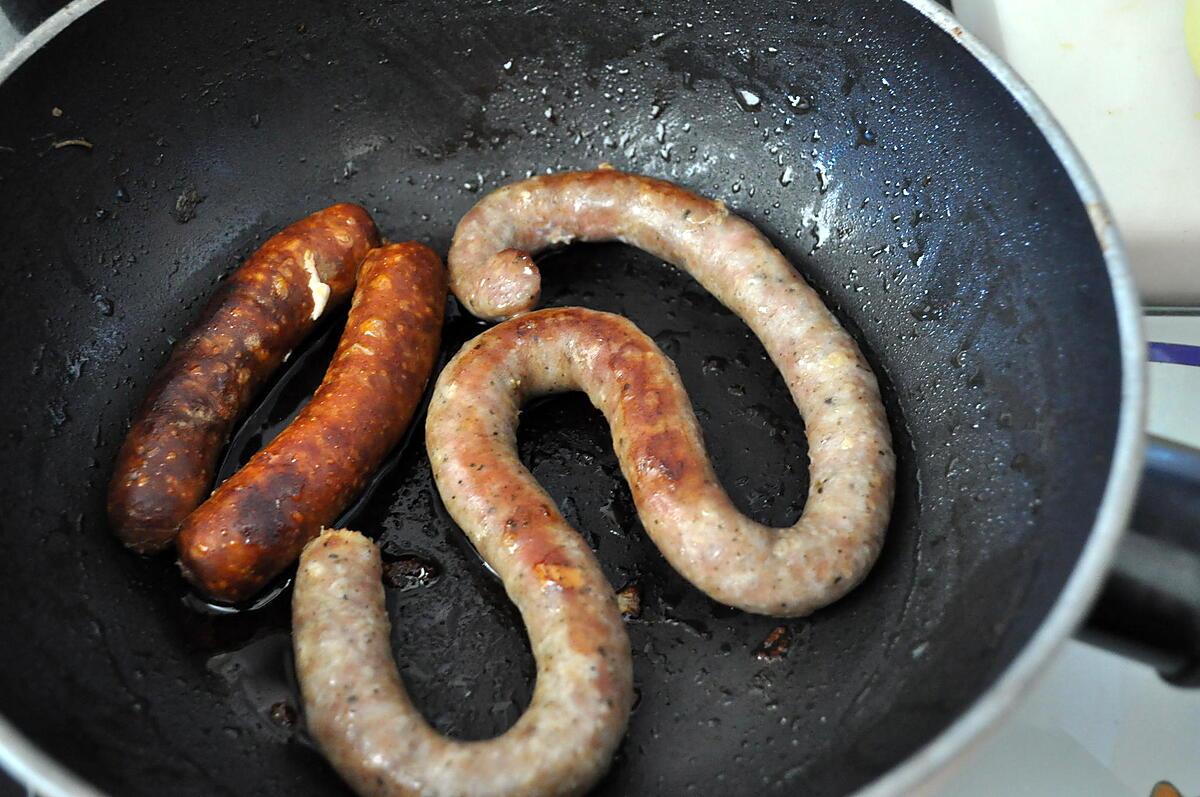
(852, 467)
(470, 434)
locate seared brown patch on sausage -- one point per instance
(471, 434)
(256, 523)
(260, 313)
(359, 713)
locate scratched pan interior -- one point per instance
(906, 185)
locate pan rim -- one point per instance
(932, 764)
(44, 775)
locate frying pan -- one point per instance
(912, 179)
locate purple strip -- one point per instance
(1174, 353)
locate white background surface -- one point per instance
(1117, 76)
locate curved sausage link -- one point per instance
(363, 720)
(851, 466)
(257, 521)
(260, 313)
(471, 433)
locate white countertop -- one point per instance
(1118, 76)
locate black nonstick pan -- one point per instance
(146, 148)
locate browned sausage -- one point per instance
(852, 466)
(265, 308)
(470, 434)
(258, 520)
(360, 715)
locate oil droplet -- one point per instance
(822, 176)
(103, 304)
(923, 311)
(748, 100)
(800, 102)
(713, 365)
(283, 714)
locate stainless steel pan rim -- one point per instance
(1081, 589)
(47, 777)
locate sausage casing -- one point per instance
(255, 524)
(470, 434)
(851, 462)
(260, 313)
(359, 713)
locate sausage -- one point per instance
(852, 466)
(471, 434)
(255, 524)
(262, 311)
(364, 722)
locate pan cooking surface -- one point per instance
(913, 194)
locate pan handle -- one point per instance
(1149, 609)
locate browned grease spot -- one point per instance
(408, 572)
(776, 645)
(629, 601)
